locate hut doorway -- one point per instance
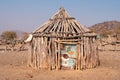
(68, 56)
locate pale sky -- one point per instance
(27, 15)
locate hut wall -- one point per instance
(45, 53)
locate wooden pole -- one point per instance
(58, 67)
(79, 57)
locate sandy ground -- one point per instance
(13, 66)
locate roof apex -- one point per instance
(62, 8)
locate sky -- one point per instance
(27, 15)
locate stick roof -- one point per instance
(61, 22)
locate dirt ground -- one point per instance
(13, 66)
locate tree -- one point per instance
(9, 35)
(25, 36)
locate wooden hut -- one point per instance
(63, 43)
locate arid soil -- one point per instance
(13, 66)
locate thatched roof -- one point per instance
(61, 23)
